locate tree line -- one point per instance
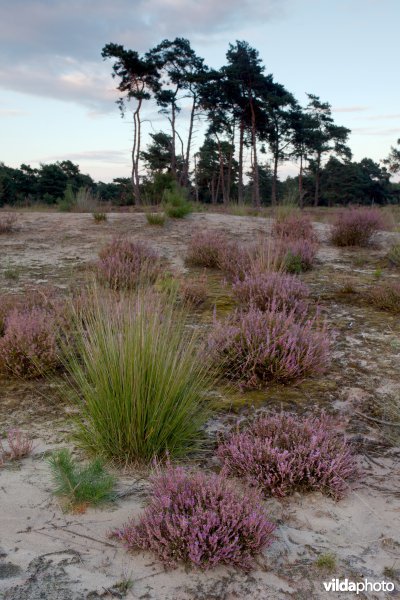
(243, 109)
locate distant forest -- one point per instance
(252, 125)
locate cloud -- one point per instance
(384, 117)
(52, 48)
(114, 157)
(12, 112)
(373, 131)
(349, 109)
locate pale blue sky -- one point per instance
(56, 97)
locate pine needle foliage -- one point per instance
(88, 484)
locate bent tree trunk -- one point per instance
(135, 154)
(240, 182)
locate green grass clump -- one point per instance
(326, 562)
(156, 218)
(99, 217)
(139, 378)
(89, 484)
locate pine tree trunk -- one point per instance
(301, 198)
(317, 173)
(274, 180)
(189, 143)
(240, 182)
(256, 184)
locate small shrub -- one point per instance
(19, 446)
(8, 223)
(240, 260)
(156, 218)
(124, 264)
(89, 484)
(294, 226)
(207, 249)
(394, 255)
(200, 519)
(260, 289)
(68, 201)
(176, 202)
(99, 217)
(28, 346)
(282, 453)
(357, 226)
(139, 378)
(386, 296)
(194, 291)
(298, 255)
(258, 347)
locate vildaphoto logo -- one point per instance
(346, 585)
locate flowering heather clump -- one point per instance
(28, 345)
(200, 519)
(123, 264)
(256, 347)
(194, 291)
(294, 226)
(206, 249)
(282, 453)
(260, 289)
(357, 226)
(386, 296)
(298, 255)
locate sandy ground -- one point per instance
(47, 553)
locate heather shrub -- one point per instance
(295, 226)
(357, 226)
(194, 291)
(207, 249)
(282, 453)
(8, 223)
(200, 519)
(298, 255)
(123, 264)
(19, 446)
(138, 376)
(386, 296)
(80, 485)
(258, 347)
(28, 345)
(260, 289)
(240, 260)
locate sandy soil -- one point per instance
(46, 553)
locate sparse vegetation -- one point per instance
(99, 217)
(386, 296)
(8, 223)
(19, 444)
(326, 562)
(394, 255)
(199, 519)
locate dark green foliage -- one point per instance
(89, 484)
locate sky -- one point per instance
(57, 97)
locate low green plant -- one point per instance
(138, 377)
(68, 201)
(99, 217)
(156, 218)
(327, 562)
(12, 273)
(176, 202)
(80, 485)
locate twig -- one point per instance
(388, 423)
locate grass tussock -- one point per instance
(139, 378)
(156, 218)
